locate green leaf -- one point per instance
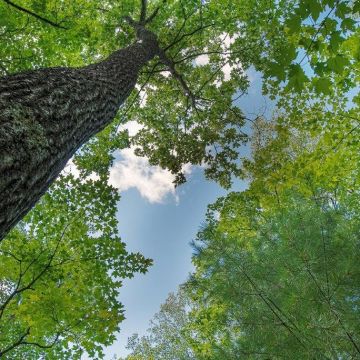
(338, 63)
(323, 86)
(356, 6)
(294, 24)
(315, 9)
(335, 41)
(348, 24)
(342, 9)
(276, 70)
(303, 10)
(297, 77)
(329, 25)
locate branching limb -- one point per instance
(41, 346)
(8, 30)
(308, 49)
(15, 344)
(21, 341)
(151, 72)
(29, 12)
(139, 26)
(182, 37)
(143, 11)
(18, 288)
(170, 64)
(143, 19)
(152, 16)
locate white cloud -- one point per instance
(166, 74)
(71, 168)
(227, 41)
(202, 60)
(152, 182)
(130, 171)
(227, 71)
(133, 127)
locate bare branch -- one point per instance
(11, 255)
(197, 54)
(40, 345)
(308, 49)
(154, 13)
(152, 16)
(22, 341)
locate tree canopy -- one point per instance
(298, 45)
(277, 265)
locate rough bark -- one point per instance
(47, 114)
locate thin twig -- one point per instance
(317, 32)
(186, 35)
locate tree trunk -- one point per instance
(47, 114)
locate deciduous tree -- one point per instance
(64, 107)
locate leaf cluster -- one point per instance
(61, 271)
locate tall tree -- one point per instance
(42, 126)
(187, 117)
(46, 115)
(63, 107)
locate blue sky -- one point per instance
(163, 230)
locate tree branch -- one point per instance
(47, 21)
(19, 289)
(143, 11)
(176, 41)
(40, 345)
(307, 50)
(22, 342)
(170, 64)
(151, 72)
(15, 344)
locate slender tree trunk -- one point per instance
(47, 114)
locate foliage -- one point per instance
(285, 287)
(61, 271)
(198, 122)
(164, 340)
(28, 43)
(276, 266)
(314, 44)
(62, 268)
(276, 273)
(190, 117)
